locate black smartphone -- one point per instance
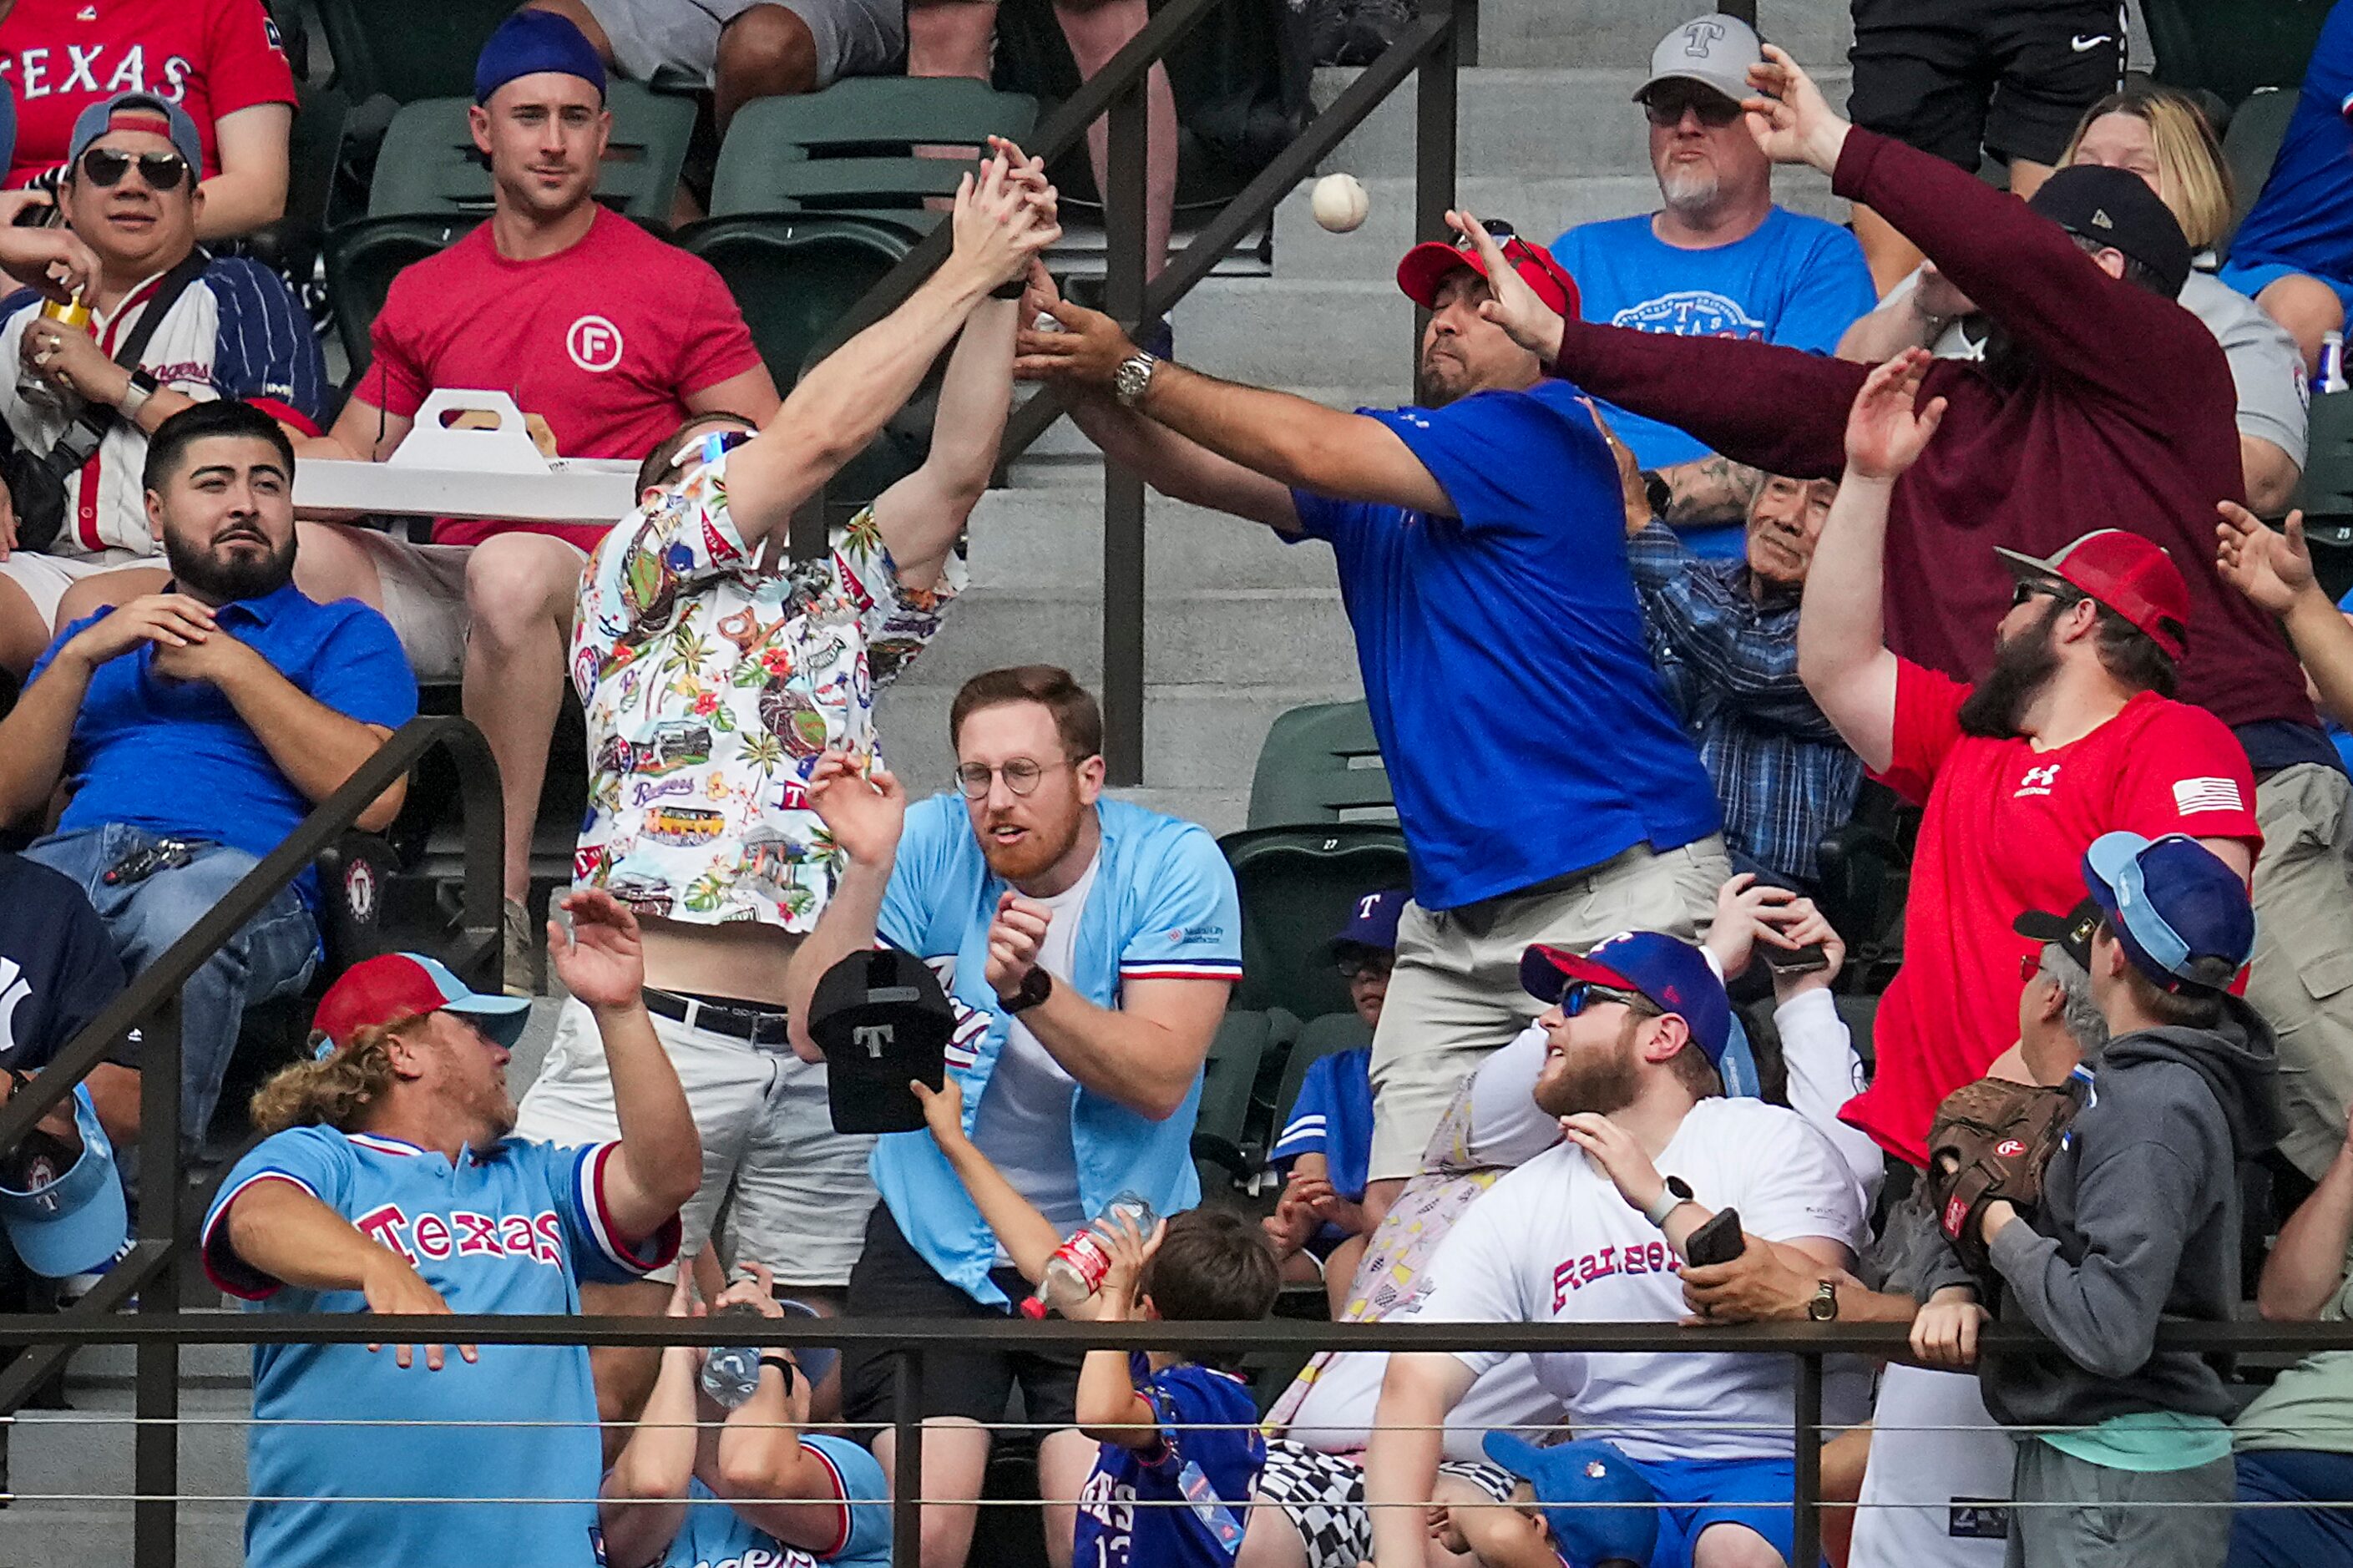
(1717, 1241)
(1793, 960)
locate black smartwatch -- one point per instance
(783, 1363)
(1035, 987)
(1659, 494)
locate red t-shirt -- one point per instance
(2004, 831)
(606, 341)
(210, 57)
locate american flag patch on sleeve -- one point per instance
(2191, 797)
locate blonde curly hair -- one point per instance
(333, 1090)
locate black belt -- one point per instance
(760, 1026)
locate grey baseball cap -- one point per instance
(1715, 50)
(138, 111)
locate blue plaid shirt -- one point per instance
(1782, 773)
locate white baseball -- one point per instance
(1339, 203)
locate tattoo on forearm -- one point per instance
(1710, 489)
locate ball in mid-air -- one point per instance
(1339, 203)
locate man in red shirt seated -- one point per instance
(610, 336)
(2072, 733)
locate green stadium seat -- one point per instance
(429, 162)
(1321, 764)
(850, 148)
(364, 257)
(408, 52)
(2230, 48)
(2251, 143)
(1298, 886)
(1318, 1038)
(2327, 492)
(1223, 1147)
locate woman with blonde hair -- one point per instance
(2164, 137)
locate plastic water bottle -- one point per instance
(2332, 363)
(731, 1373)
(1076, 1271)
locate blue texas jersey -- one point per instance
(715, 1536)
(1183, 1503)
(514, 1228)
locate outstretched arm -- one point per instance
(1028, 1238)
(1842, 653)
(2274, 570)
(2306, 1267)
(865, 815)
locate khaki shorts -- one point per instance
(424, 599)
(46, 578)
(798, 1192)
(2302, 981)
(1455, 993)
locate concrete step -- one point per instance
(1577, 32)
(1222, 811)
(1049, 535)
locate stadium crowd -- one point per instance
(1713, 528)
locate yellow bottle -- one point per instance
(72, 313)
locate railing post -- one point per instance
(1806, 1527)
(907, 1457)
(155, 1444)
(1433, 146)
(1123, 606)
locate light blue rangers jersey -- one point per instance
(512, 1228)
(715, 1536)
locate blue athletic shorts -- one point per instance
(1700, 1493)
(2293, 1537)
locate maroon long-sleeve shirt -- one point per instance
(2128, 419)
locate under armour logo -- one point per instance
(1699, 36)
(2100, 219)
(872, 1038)
(2038, 781)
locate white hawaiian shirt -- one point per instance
(712, 687)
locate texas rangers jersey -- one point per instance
(512, 1228)
(715, 1536)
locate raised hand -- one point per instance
(865, 812)
(996, 227)
(943, 1108)
(1085, 352)
(1888, 427)
(1511, 304)
(2273, 570)
(1788, 116)
(602, 961)
(1014, 939)
(1621, 1159)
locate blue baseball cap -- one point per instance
(2182, 915)
(1597, 1506)
(1373, 922)
(529, 42)
(397, 985)
(69, 1221)
(136, 112)
(1672, 974)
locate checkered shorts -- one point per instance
(1324, 1496)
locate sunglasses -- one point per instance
(2030, 964)
(1579, 994)
(1366, 966)
(2042, 588)
(1668, 105)
(708, 448)
(104, 167)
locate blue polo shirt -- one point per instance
(172, 756)
(1527, 735)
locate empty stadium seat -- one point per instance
(1298, 886)
(1224, 1147)
(1321, 764)
(850, 148)
(2249, 146)
(364, 257)
(2232, 46)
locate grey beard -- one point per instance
(1690, 194)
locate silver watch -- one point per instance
(1132, 379)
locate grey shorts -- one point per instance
(854, 37)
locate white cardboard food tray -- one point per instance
(494, 473)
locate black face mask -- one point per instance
(2021, 669)
(225, 582)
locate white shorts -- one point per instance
(853, 37)
(1935, 1491)
(798, 1192)
(46, 578)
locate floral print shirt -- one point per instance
(712, 685)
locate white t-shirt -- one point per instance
(1935, 1493)
(1555, 1242)
(1336, 1416)
(1023, 1124)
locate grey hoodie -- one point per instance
(2139, 1220)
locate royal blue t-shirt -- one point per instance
(1333, 1117)
(2304, 217)
(174, 757)
(715, 1536)
(1526, 732)
(1184, 1502)
(1798, 281)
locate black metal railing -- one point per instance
(151, 1004)
(910, 1341)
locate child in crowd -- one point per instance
(1181, 1450)
(1319, 1226)
(699, 1484)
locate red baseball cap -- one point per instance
(1431, 262)
(397, 985)
(2126, 573)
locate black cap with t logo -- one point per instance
(882, 1019)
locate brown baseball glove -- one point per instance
(1991, 1140)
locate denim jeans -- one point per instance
(272, 956)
